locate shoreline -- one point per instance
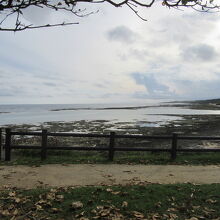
(207, 125)
(191, 125)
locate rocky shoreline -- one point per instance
(208, 125)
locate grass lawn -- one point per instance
(155, 201)
(32, 157)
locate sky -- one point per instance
(112, 56)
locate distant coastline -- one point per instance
(105, 108)
(125, 107)
(147, 114)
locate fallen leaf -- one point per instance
(39, 208)
(192, 218)
(59, 198)
(12, 194)
(115, 193)
(211, 201)
(138, 214)
(17, 200)
(5, 213)
(171, 210)
(77, 205)
(109, 190)
(55, 210)
(124, 204)
(15, 212)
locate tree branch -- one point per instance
(9, 8)
(35, 27)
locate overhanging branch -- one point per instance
(19, 28)
(10, 8)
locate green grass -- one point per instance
(180, 201)
(32, 157)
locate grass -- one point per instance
(180, 201)
(32, 157)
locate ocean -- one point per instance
(155, 112)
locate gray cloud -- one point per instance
(139, 54)
(122, 34)
(200, 52)
(4, 92)
(151, 84)
(181, 30)
(50, 84)
(46, 63)
(37, 15)
(100, 85)
(109, 95)
(197, 89)
(176, 88)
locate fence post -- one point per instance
(7, 144)
(44, 145)
(1, 150)
(111, 146)
(174, 146)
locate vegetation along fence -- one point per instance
(111, 148)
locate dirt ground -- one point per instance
(109, 174)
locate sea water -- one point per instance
(150, 112)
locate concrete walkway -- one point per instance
(104, 174)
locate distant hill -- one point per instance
(211, 101)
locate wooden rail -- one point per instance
(111, 148)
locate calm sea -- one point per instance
(36, 114)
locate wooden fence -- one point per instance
(111, 148)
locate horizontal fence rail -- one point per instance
(111, 148)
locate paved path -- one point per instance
(83, 175)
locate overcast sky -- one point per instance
(112, 56)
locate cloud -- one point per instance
(187, 28)
(122, 34)
(167, 86)
(112, 57)
(151, 84)
(37, 15)
(200, 52)
(100, 85)
(198, 89)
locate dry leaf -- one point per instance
(12, 194)
(17, 200)
(211, 201)
(55, 210)
(15, 212)
(209, 210)
(80, 214)
(77, 205)
(5, 213)
(115, 193)
(138, 214)
(193, 218)
(39, 207)
(171, 210)
(51, 196)
(196, 207)
(59, 198)
(124, 204)
(109, 190)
